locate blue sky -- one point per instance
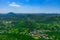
(30, 6)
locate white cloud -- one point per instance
(13, 4)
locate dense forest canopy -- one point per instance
(29, 26)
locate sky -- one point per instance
(30, 6)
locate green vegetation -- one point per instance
(30, 27)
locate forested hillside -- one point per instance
(29, 26)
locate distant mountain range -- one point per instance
(20, 16)
(39, 14)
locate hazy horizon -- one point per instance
(28, 13)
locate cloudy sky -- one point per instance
(30, 6)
